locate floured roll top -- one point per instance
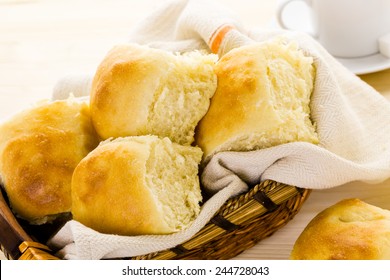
(138, 90)
(262, 99)
(39, 149)
(137, 185)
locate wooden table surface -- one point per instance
(43, 40)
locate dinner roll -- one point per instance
(262, 99)
(348, 230)
(39, 149)
(138, 90)
(137, 185)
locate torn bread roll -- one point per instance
(39, 149)
(139, 90)
(137, 185)
(262, 99)
(348, 230)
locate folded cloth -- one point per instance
(353, 124)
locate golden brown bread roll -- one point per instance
(137, 185)
(262, 99)
(348, 230)
(39, 149)
(138, 90)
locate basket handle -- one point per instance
(15, 242)
(12, 234)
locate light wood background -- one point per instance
(43, 40)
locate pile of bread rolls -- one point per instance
(127, 160)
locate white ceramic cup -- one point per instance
(347, 28)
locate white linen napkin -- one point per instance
(353, 123)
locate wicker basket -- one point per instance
(241, 222)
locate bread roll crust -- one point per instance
(348, 230)
(109, 193)
(139, 90)
(130, 186)
(262, 99)
(39, 149)
(123, 89)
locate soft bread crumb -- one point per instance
(150, 185)
(262, 99)
(139, 90)
(171, 177)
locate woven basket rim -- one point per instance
(245, 219)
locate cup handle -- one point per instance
(280, 10)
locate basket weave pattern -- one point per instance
(241, 223)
